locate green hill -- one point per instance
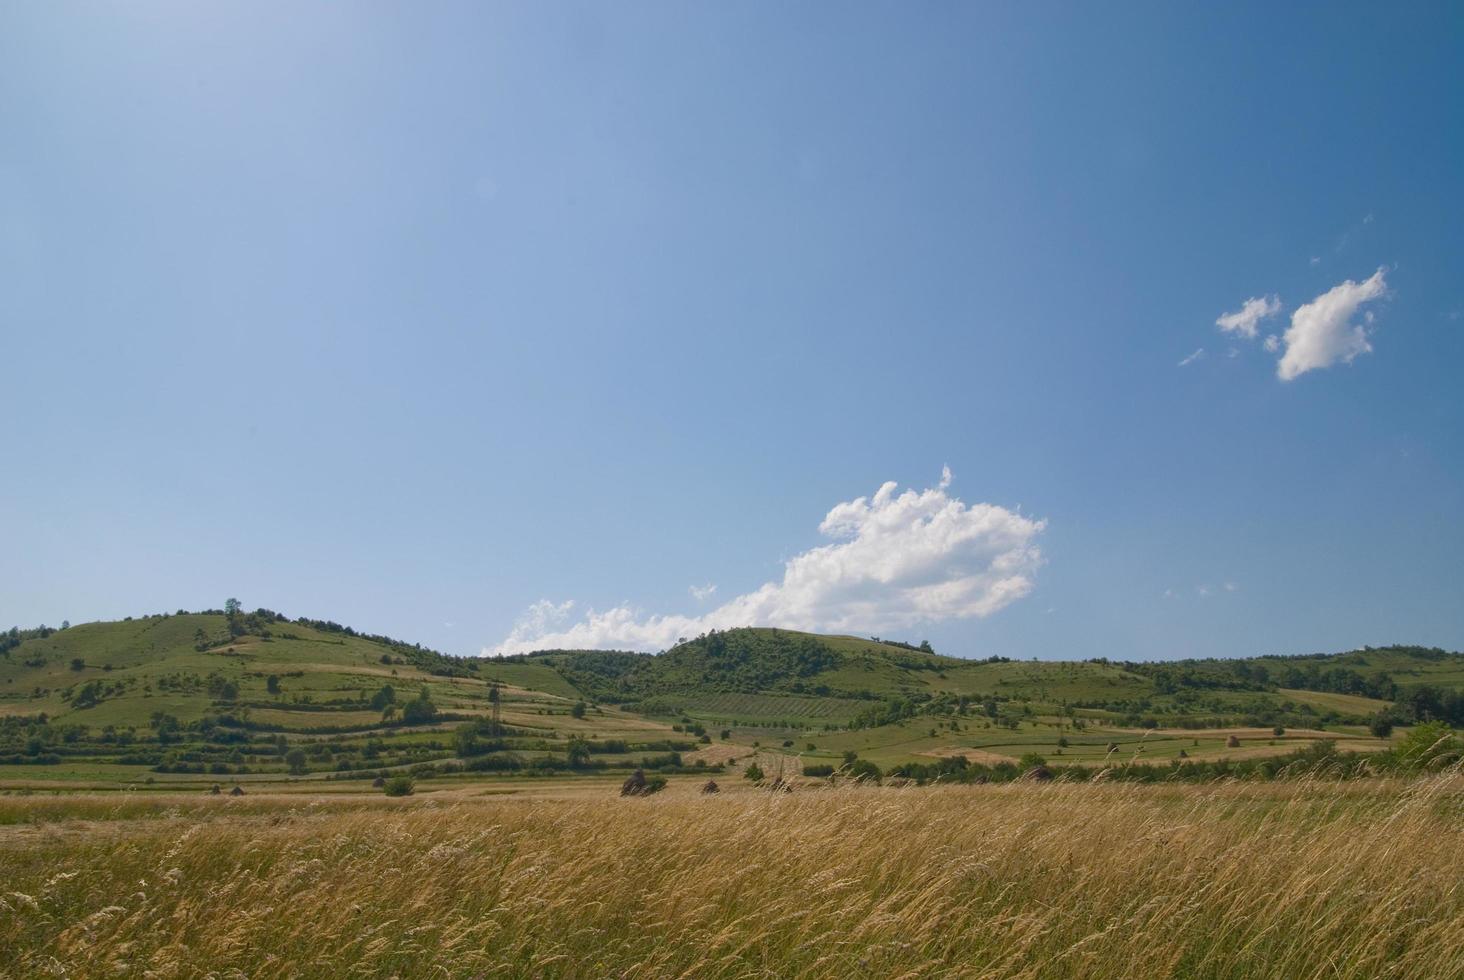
(246, 695)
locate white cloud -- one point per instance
(1322, 332)
(1196, 356)
(896, 560)
(1243, 322)
(1272, 343)
(701, 593)
(945, 477)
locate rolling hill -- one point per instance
(259, 696)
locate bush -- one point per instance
(1430, 745)
(753, 772)
(399, 786)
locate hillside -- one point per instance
(260, 696)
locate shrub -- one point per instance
(753, 772)
(1430, 745)
(399, 786)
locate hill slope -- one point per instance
(211, 694)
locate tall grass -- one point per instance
(1294, 880)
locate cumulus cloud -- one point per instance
(1244, 321)
(1196, 356)
(1272, 343)
(1322, 332)
(894, 560)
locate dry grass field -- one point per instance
(1286, 879)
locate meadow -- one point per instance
(1295, 879)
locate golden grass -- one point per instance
(1293, 880)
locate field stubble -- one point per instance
(1287, 879)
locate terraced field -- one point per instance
(773, 709)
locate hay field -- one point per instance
(1294, 880)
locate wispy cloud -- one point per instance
(1196, 356)
(896, 560)
(1322, 332)
(1245, 321)
(701, 593)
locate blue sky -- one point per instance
(477, 324)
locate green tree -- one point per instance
(78, 664)
(753, 772)
(577, 751)
(399, 786)
(420, 710)
(295, 760)
(1380, 726)
(383, 697)
(1031, 761)
(272, 683)
(465, 740)
(578, 710)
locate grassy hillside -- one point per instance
(199, 697)
(202, 697)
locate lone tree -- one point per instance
(578, 710)
(295, 759)
(272, 683)
(577, 752)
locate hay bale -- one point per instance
(711, 787)
(1232, 742)
(1038, 774)
(635, 784)
(237, 791)
(215, 790)
(379, 782)
(1183, 754)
